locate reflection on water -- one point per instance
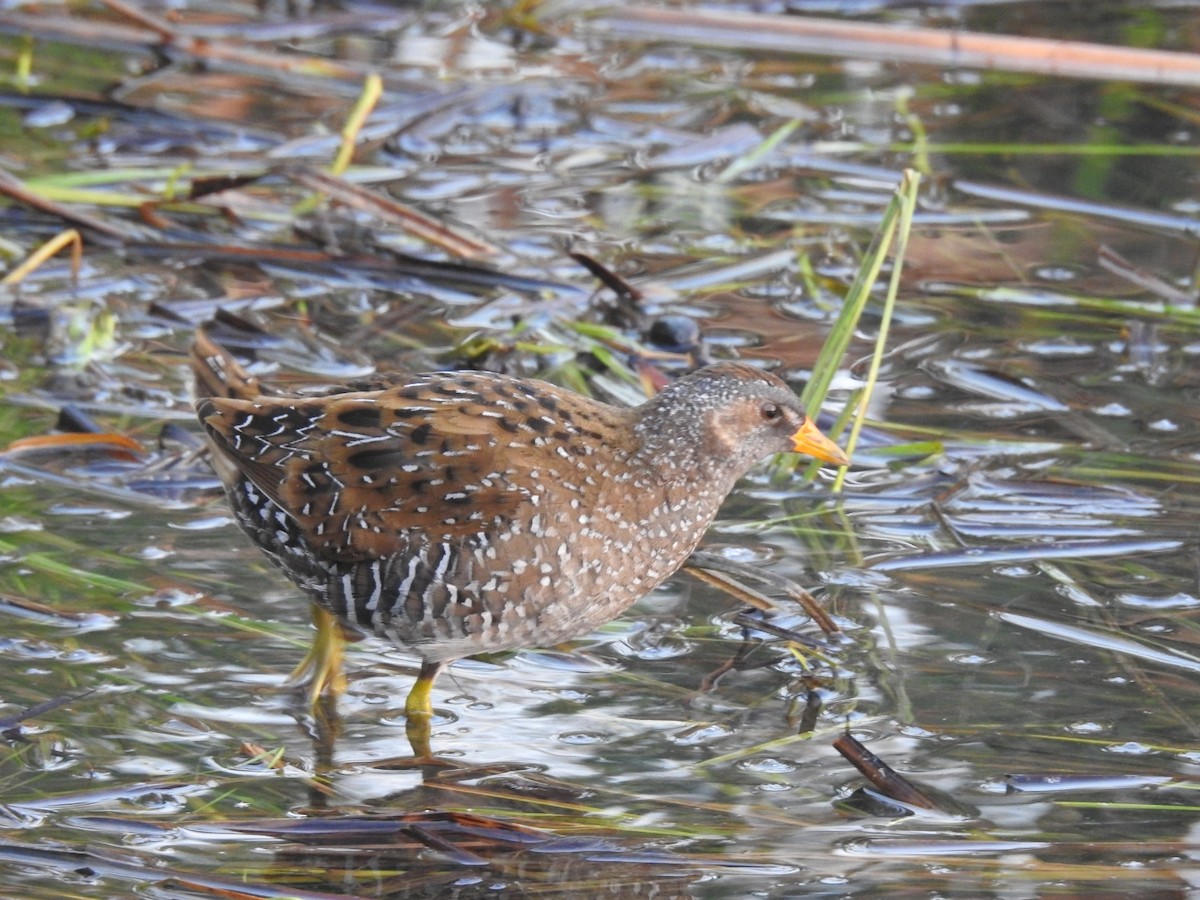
(1012, 561)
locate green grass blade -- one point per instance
(906, 201)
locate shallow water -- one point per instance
(1013, 558)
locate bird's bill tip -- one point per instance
(808, 439)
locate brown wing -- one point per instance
(447, 454)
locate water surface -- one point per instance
(1012, 560)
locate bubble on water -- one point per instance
(1132, 748)
(582, 738)
(1056, 273)
(767, 765)
(971, 659)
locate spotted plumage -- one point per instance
(461, 512)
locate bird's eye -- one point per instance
(770, 411)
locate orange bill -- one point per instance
(808, 439)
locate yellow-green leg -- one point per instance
(321, 669)
(418, 709)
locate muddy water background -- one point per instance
(1014, 558)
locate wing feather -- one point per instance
(448, 455)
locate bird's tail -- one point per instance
(218, 374)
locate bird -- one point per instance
(462, 512)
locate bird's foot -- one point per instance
(320, 673)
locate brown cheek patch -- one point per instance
(718, 438)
